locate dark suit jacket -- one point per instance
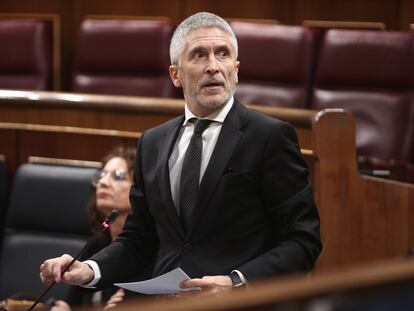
(255, 212)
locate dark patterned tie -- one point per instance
(190, 173)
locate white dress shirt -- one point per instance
(209, 137)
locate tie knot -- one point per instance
(201, 125)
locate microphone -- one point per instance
(106, 224)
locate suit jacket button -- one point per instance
(187, 248)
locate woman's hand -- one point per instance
(115, 299)
(60, 305)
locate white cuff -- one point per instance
(96, 274)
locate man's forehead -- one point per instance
(207, 36)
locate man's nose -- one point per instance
(212, 65)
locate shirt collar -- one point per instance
(217, 116)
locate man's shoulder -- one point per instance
(165, 127)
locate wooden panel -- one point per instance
(406, 14)
(261, 9)
(362, 218)
(385, 11)
(20, 141)
(60, 145)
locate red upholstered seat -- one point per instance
(124, 57)
(368, 73)
(26, 56)
(276, 63)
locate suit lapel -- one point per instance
(228, 139)
(163, 174)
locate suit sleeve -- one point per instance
(130, 256)
(288, 199)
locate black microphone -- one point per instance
(105, 225)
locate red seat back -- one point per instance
(366, 73)
(26, 57)
(124, 57)
(275, 64)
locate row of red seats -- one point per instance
(370, 73)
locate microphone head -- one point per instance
(111, 217)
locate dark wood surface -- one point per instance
(362, 218)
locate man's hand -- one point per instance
(51, 270)
(208, 285)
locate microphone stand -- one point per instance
(105, 226)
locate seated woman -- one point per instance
(110, 190)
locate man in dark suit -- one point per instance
(249, 215)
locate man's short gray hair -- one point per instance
(198, 20)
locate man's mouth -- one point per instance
(213, 84)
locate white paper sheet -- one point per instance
(168, 283)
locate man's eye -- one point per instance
(197, 55)
(223, 53)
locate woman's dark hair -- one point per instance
(126, 153)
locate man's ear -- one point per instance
(173, 69)
(237, 66)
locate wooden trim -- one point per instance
(298, 117)
(66, 162)
(254, 20)
(87, 101)
(67, 129)
(344, 24)
(308, 153)
(160, 106)
(56, 40)
(127, 17)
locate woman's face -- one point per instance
(112, 189)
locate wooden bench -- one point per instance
(362, 218)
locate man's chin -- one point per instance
(212, 102)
